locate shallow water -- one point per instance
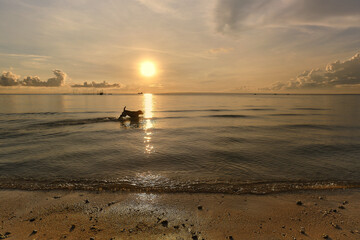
(228, 143)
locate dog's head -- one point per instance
(123, 114)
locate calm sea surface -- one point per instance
(227, 143)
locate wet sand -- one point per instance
(326, 214)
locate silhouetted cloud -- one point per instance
(103, 84)
(238, 15)
(11, 79)
(32, 81)
(58, 80)
(335, 74)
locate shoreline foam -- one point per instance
(171, 186)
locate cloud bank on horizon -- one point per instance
(10, 79)
(336, 74)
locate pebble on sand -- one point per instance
(200, 207)
(6, 235)
(335, 225)
(164, 223)
(299, 203)
(194, 237)
(72, 228)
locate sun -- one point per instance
(147, 69)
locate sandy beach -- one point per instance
(326, 214)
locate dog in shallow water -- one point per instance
(134, 115)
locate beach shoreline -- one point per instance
(311, 214)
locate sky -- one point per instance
(197, 46)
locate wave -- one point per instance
(197, 110)
(128, 185)
(288, 114)
(309, 126)
(74, 122)
(71, 122)
(328, 149)
(54, 113)
(310, 109)
(230, 116)
(260, 109)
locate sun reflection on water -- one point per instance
(148, 126)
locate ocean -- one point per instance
(213, 143)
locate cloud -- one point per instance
(30, 56)
(58, 80)
(32, 81)
(337, 74)
(8, 79)
(159, 6)
(220, 50)
(240, 15)
(103, 84)
(11, 79)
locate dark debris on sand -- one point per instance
(164, 223)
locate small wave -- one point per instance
(29, 113)
(260, 109)
(309, 126)
(128, 185)
(326, 149)
(71, 122)
(311, 109)
(287, 114)
(196, 110)
(174, 117)
(229, 116)
(53, 113)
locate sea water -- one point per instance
(221, 143)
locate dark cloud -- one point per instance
(8, 79)
(238, 15)
(335, 74)
(32, 81)
(11, 79)
(103, 84)
(58, 80)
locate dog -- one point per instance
(134, 115)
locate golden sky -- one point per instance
(203, 45)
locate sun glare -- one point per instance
(147, 69)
